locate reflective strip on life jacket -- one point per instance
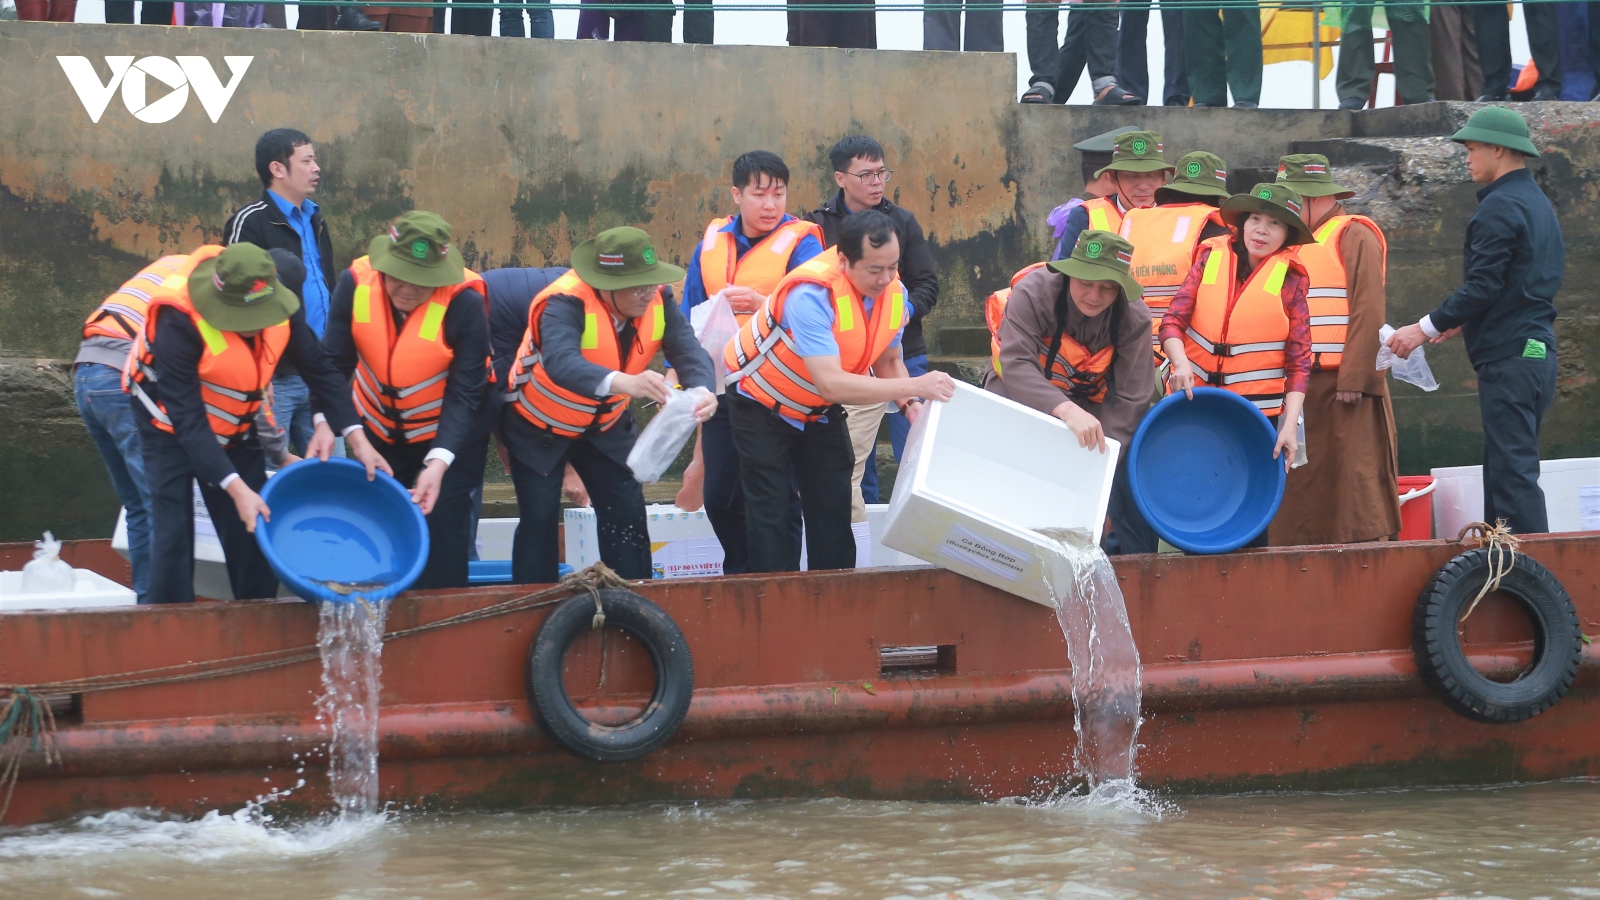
(1236, 338)
(994, 312)
(122, 314)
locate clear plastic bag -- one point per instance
(1413, 370)
(48, 573)
(1300, 457)
(663, 439)
(714, 326)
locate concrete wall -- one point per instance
(528, 147)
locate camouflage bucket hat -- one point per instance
(1101, 256)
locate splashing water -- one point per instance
(350, 639)
(1106, 676)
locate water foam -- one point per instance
(350, 639)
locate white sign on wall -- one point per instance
(134, 79)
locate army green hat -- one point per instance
(1101, 256)
(1103, 143)
(619, 258)
(417, 250)
(238, 290)
(1499, 126)
(1137, 151)
(1276, 200)
(1201, 175)
(1308, 175)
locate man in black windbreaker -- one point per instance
(861, 171)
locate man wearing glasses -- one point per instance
(862, 173)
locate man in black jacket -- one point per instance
(861, 171)
(285, 218)
(1512, 267)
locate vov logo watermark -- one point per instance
(178, 76)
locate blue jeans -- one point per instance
(291, 406)
(109, 418)
(899, 427)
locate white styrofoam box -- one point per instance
(210, 564)
(494, 538)
(1589, 507)
(682, 544)
(877, 555)
(1458, 495)
(91, 589)
(861, 531)
(980, 475)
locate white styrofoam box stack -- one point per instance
(877, 555)
(1458, 494)
(91, 589)
(980, 474)
(682, 544)
(210, 564)
(494, 538)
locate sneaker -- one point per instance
(1353, 104)
(1244, 104)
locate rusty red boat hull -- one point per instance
(1282, 669)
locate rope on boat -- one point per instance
(26, 719)
(1502, 555)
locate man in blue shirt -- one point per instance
(742, 258)
(285, 218)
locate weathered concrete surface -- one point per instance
(529, 147)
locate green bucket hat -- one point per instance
(1276, 200)
(1137, 151)
(417, 250)
(620, 258)
(1308, 175)
(238, 290)
(1101, 256)
(1103, 143)
(1200, 175)
(1499, 126)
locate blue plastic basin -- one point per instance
(335, 536)
(1202, 471)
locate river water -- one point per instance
(1515, 842)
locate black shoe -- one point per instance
(1493, 97)
(1175, 101)
(1546, 93)
(1244, 104)
(1352, 104)
(351, 18)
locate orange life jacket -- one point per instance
(761, 267)
(233, 374)
(1237, 336)
(564, 413)
(1104, 215)
(122, 314)
(400, 380)
(1164, 239)
(1328, 296)
(994, 313)
(773, 372)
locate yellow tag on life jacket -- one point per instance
(897, 309)
(361, 306)
(429, 330)
(846, 313)
(1326, 230)
(1098, 220)
(658, 324)
(175, 282)
(1275, 281)
(1213, 267)
(591, 332)
(216, 342)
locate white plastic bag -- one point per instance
(714, 326)
(1413, 370)
(48, 574)
(663, 439)
(1300, 457)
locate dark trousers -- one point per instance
(699, 23)
(120, 12)
(618, 502)
(1130, 533)
(724, 496)
(1494, 45)
(170, 475)
(832, 29)
(1513, 395)
(1223, 52)
(1133, 57)
(1413, 53)
(1091, 42)
(941, 29)
(450, 525)
(774, 456)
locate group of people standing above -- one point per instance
(205, 367)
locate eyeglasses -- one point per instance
(880, 176)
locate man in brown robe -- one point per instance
(1083, 305)
(1348, 490)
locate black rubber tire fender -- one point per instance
(1557, 641)
(669, 656)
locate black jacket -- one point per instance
(916, 262)
(511, 292)
(1512, 264)
(262, 223)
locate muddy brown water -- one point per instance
(1514, 842)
